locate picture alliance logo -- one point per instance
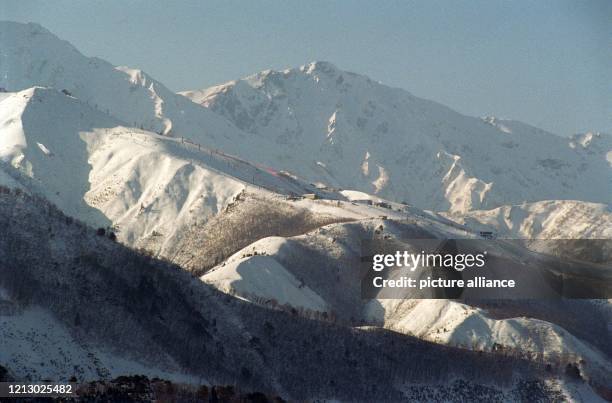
(439, 282)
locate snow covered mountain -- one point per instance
(149, 188)
(330, 126)
(197, 204)
(549, 219)
(33, 56)
(458, 324)
(63, 319)
(366, 136)
(210, 185)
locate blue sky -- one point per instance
(546, 62)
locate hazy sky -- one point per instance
(545, 62)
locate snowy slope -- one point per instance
(140, 307)
(457, 324)
(149, 188)
(324, 259)
(330, 126)
(41, 147)
(35, 345)
(366, 136)
(265, 278)
(325, 262)
(550, 219)
(95, 152)
(33, 56)
(599, 144)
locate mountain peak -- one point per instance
(32, 27)
(298, 110)
(16, 34)
(320, 67)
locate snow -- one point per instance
(149, 192)
(33, 56)
(148, 187)
(548, 219)
(39, 116)
(384, 141)
(36, 346)
(264, 277)
(578, 392)
(347, 210)
(116, 154)
(319, 122)
(355, 195)
(7, 180)
(461, 325)
(12, 132)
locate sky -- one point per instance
(547, 63)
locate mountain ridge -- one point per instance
(261, 191)
(328, 126)
(366, 136)
(138, 307)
